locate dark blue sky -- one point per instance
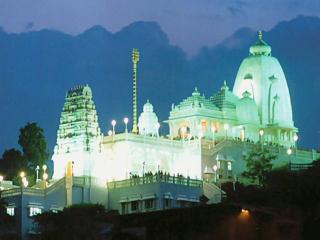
(189, 24)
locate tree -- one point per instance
(34, 145)
(259, 163)
(11, 163)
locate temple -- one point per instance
(140, 170)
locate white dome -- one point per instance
(148, 121)
(247, 110)
(147, 107)
(262, 76)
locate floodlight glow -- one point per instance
(289, 151)
(226, 126)
(261, 132)
(295, 138)
(44, 167)
(22, 174)
(215, 168)
(109, 132)
(1, 178)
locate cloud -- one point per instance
(189, 24)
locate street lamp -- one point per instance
(158, 127)
(113, 123)
(126, 120)
(44, 168)
(215, 168)
(289, 152)
(24, 179)
(261, 132)
(295, 139)
(37, 173)
(109, 133)
(25, 182)
(143, 164)
(45, 175)
(226, 127)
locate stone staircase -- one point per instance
(212, 192)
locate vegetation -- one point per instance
(34, 152)
(297, 193)
(259, 164)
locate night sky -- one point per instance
(189, 24)
(32, 87)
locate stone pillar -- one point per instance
(69, 183)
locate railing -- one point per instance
(296, 152)
(78, 181)
(158, 178)
(32, 191)
(149, 140)
(299, 167)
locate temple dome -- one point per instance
(260, 47)
(247, 110)
(148, 121)
(262, 76)
(147, 107)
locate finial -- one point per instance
(260, 35)
(224, 87)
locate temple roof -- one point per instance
(224, 98)
(79, 90)
(196, 100)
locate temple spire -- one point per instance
(135, 59)
(260, 35)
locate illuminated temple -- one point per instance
(140, 170)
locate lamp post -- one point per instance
(158, 127)
(113, 123)
(143, 164)
(215, 168)
(289, 152)
(126, 120)
(45, 175)
(24, 179)
(261, 132)
(109, 133)
(37, 173)
(226, 127)
(295, 139)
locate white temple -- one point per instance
(204, 131)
